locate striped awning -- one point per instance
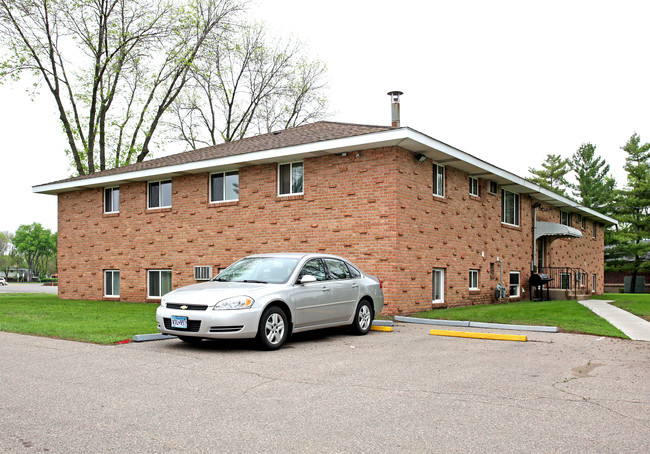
(555, 229)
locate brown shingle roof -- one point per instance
(311, 133)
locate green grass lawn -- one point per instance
(568, 316)
(636, 303)
(102, 322)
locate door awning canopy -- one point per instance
(556, 230)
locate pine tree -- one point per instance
(552, 174)
(630, 243)
(595, 188)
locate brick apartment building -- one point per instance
(438, 226)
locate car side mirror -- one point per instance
(307, 278)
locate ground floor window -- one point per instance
(112, 283)
(514, 284)
(160, 282)
(593, 283)
(438, 285)
(473, 279)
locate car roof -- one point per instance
(298, 255)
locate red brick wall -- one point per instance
(377, 209)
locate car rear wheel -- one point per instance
(274, 328)
(363, 318)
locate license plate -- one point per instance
(179, 322)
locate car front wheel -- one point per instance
(274, 328)
(362, 318)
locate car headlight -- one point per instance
(164, 300)
(236, 302)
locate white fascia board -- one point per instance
(374, 140)
(514, 179)
(365, 141)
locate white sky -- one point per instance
(506, 81)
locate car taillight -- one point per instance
(381, 284)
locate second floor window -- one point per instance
(473, 186)
(438, 180)
(224, 187)
(565, 218)
(111, 200)
(160, 194)
(509, 207)
(290, 178)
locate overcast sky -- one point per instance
(506, 81)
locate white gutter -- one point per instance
(392, 137)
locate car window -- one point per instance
(274, 270)
(353, 271)
(337, 269)
(315, 268)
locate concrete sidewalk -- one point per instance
(632, 326)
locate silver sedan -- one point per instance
(271, 296)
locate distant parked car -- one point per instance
(3, 281)
(271, 296)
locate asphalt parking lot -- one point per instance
(328, 391)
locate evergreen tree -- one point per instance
(552, 175)
(630, 243)
(595, 187)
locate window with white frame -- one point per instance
(580, 219)
(160, 194)
(290, 178)
(473, 279)
(565, 218)
(202, 273)
(509, 208)
(594, 230)
(494, 188)
(112, 200)
(514, 284)
(224, 186)
(473, 186)
(438, 180)
(593, 283)
(112, 283)
(438, 285)
(159, 283)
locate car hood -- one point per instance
(209, 293)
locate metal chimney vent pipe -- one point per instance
(394, 98)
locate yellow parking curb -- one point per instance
(387, 329)
(509, 337)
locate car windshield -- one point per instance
(264, 270)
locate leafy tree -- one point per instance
(5, 242)
(243, 84)
(113, 67)
(552, 175)
(630, 243)
(595, 187)
(34, 243)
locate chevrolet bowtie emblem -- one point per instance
(183, 307)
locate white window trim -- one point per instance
(490, 187)
(444, 179)
(569, 219)
(478, 191)
(159, 193)
(112, 188)
(442, 286)
(160, 281)
(518, 285)
(106, 272)
(224, 189)
(593, 283)
(470, 279)
(518, 208)
(291, 182)
(594, 230)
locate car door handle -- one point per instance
(325, 289)
(355, 285)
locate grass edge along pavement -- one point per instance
(568, 316)
(100, 322)
(635, 303)
(108, 322)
